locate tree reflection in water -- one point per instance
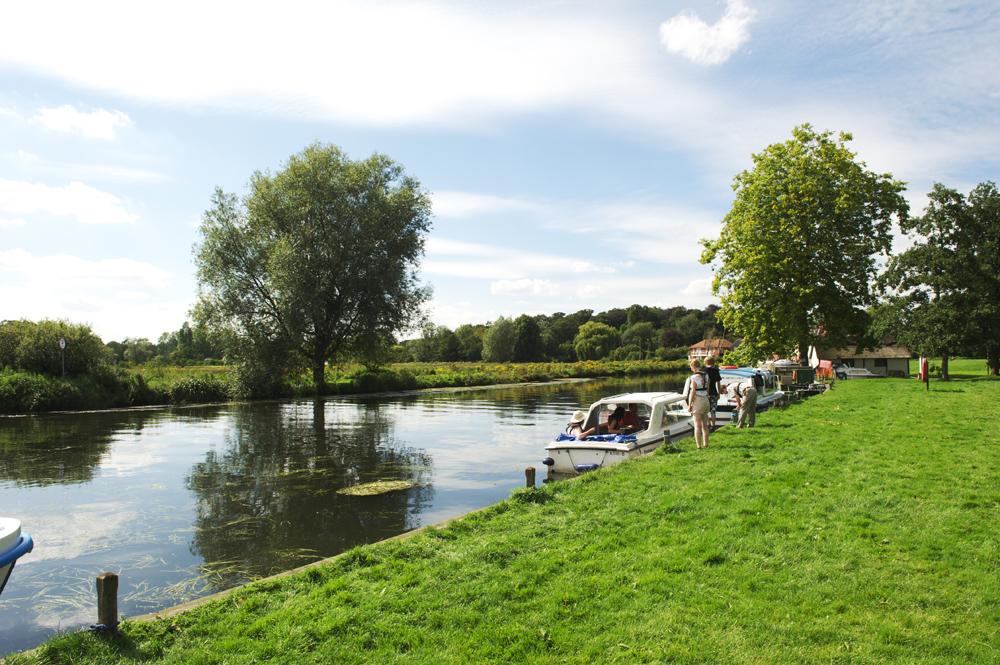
(68, 448)
(269, 501)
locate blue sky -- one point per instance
(575, 151)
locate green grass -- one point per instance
(966, 368)
(854, 527)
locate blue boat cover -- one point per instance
(613, 438)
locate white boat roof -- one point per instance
(648, 398)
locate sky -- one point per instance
(575, 152)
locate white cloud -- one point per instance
(466, 204)
(132, 295)
(705, 44)
(586, 266)
(698, 288)
(62, 270)
(11, 222)
(27, 156)
(9, 112)
(524, 287)
(88, 205)
(455, 258)
(99, 123)
(590, 291)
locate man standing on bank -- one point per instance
(714, 384)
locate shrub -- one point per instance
(24, 392)
(198, 390)
(34, 347)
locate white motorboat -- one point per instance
(662, 417)
(764, 381)
(13, 545)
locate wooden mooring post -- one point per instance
(107, 601)
(529, 477)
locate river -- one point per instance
(185, 502)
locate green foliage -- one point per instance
(34, 347)
(199, 390)
(260, 369)
(527, 340)
(797, 252)
(640, 337)
(595, 341)
(944, 292)
(498, 341)
(374, 351)
(26, 392)
(470, 342)
(314, 257)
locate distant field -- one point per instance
(967, 368)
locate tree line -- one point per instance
(636, 333)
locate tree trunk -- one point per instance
(319, 377)
(944, 367)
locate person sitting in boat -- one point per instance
(575, 427)
(630, 420)
(615, 425)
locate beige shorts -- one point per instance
(700, 404)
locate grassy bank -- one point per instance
(854, 527)
(154, 384)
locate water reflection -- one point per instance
(268, 500)
(38, 451)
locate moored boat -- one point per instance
(661, 417)
(13, 545)
(764, 381)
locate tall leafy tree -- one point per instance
(470, 341)
(316, 256)
(498, 341)
(527, 339)
(640, 338)
(944, 292)
(595, 341)
(796, 258)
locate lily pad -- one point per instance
(378, 487)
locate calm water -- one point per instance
(181, 503)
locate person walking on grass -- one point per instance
(714, 384)
(696, 393)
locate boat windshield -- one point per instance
(672, 413)
(642, 415)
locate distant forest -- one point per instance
(637, 332)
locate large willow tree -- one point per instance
(318, 257)
(796, 258)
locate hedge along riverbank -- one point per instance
(856, 526)
(25, 392)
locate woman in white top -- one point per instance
(575, 426)
(696, 393)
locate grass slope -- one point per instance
(855, 527)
